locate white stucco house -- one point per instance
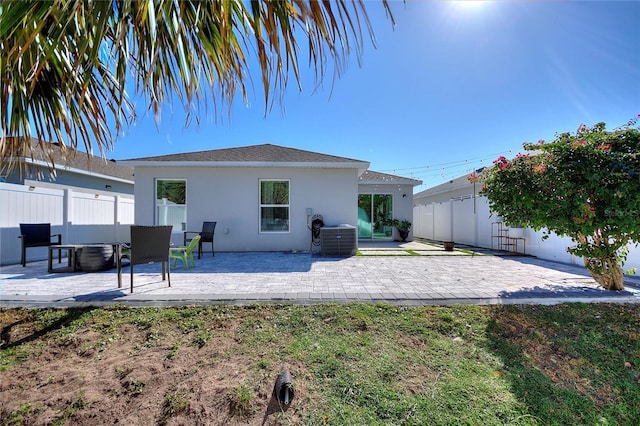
(264, 196)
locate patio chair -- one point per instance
(184, 253)
(37, 235)
(149, 244)
(206, 236)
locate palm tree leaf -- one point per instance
(66, 63)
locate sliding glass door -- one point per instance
(375, 212)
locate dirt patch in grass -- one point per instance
(351, 364)
(141, 376)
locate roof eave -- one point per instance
(272, 164)
(412, 182)
(78, 171)
(438, 191)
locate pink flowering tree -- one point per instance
(584, 185)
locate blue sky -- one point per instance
(447, 90)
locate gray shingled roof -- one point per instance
(254, 153)
(460, 181)
(81, 161)
(372, 177)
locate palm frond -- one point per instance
(67, 63)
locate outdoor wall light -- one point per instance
(108, 186)
(97, 196)
(404, 195)
(32, 188)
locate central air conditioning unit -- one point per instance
(338, 241)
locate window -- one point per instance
(171, 203)
(274, 205)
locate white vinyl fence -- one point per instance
(81, 217)
(469, 221)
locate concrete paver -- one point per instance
(310, 278)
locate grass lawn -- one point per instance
(352, 364)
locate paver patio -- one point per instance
(309, 278)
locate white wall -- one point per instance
(81, 217)
(463, 222)
(230, 196)
(469, 221)
(423, 221)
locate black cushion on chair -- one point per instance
(37, 235)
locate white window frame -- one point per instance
(287, 206)
(157, 221)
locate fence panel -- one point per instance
(80, 217)
(423, 218)
(469, 221)
(483, 219)
(126, 211)
(464, 223)
(18, 205)
(442, 221)
(89, 209)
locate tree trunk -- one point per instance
(607, 272)
(604, 269)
